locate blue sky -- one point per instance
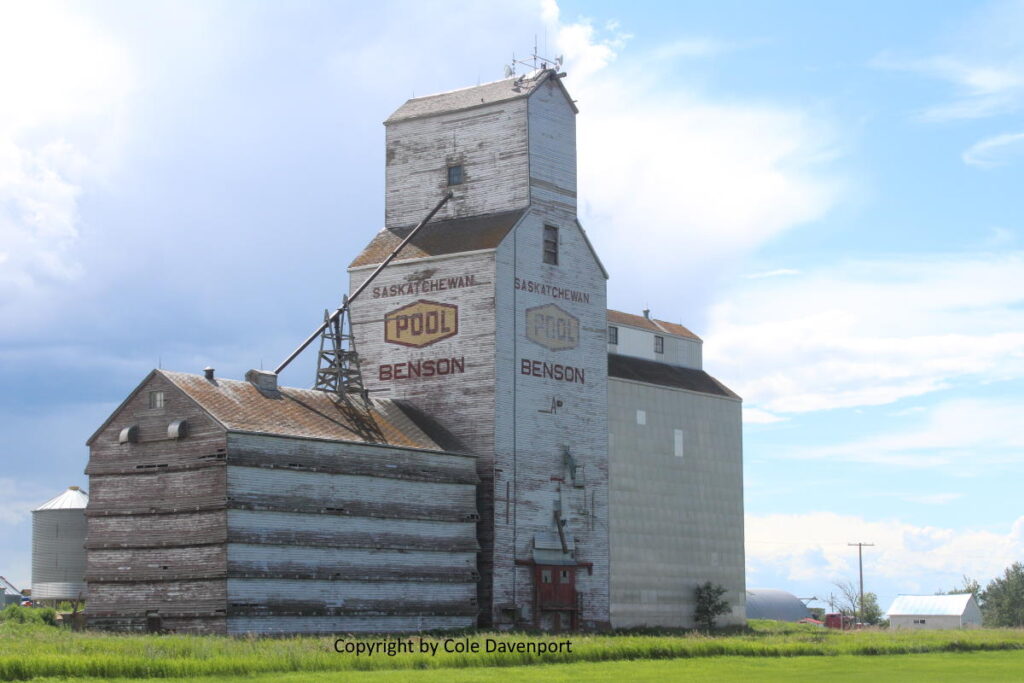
(830, 195)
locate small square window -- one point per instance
(156, 399)
(613, 334)
(641, 417)
(659, 344)
(551, 245)
(455, 174)
(564, 576)
(545, 576)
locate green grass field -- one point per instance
(766, 651)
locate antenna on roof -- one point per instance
(534, 58)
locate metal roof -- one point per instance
(663, 374)
(440, 237)
(476, 96)
(643, 322)
(73, 498)
(770, 603)
(930, 605)
(240, 406)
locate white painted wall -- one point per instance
(639, 343)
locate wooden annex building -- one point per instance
(221, 506)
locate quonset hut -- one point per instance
(587, 481)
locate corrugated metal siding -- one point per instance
(58, 554)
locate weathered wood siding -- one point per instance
(514, 154)
(156, 521)
(325, 535)
(489, 142)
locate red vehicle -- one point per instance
(842, 622)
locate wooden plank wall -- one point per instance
(156, 519)
(326, 535)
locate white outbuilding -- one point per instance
(935, 611)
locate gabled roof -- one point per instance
(663, 374)
(476, 96)
(73, 498)
(304, 413)
(440, 238)
(620, 318)
(930, 605)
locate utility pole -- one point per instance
(860, 562)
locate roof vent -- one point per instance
(262, 380)
(129, 435)
(178, 429)
(73, 488)
(208, 372)
(647, 313)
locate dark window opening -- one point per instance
(455, 174)
(659, 344)
(613, 334)
(551, 245)
(564, 576)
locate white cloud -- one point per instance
(756, 416)
(984, 65)
(978, 431)
(18, 499)
(60, 106)
(706, 179)
(933, 498)
(772, 273)
(813, 546)
(870, 332)
(995, 151)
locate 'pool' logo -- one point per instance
(421, 323)
(552, 328)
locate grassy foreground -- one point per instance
(35, 650)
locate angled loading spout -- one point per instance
(359, 290)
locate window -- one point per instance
(641, 417)
(678, 438)
(613, 334)
(551, 245)
(156, 399)
(659, 344)
(545, 576)
(455, 174)
(563, 576)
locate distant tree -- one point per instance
(849, 603)
(1003, 598)
(709, 604)
(967, 585)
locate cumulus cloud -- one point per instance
(870, 332)
(56, 122)
(813, 546)
(706, 179)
